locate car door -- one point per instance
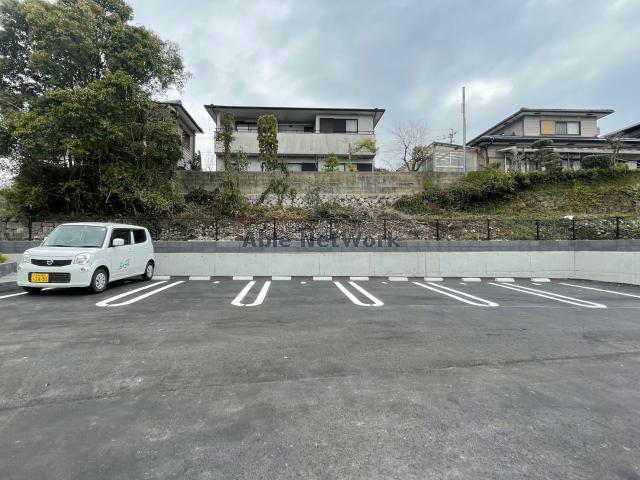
(140, 249)
(121, 257)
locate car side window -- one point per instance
(121, 233)
(139, 236)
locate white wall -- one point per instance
(610, 266)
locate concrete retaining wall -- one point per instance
(333, 183)
(606, 260)
(7, 268)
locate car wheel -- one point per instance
(32, 289)
(148, 271)
(99, 280)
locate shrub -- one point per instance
(331, 163)
(227, 200)
(596, 161)
(3, 258)
(199, 196)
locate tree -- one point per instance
(332, 163)
(226, 137)
(71, 43)
(77, 121)
(107, 147)
(196, 162)
(408, 142)
(268, 143)
(545, 156)
(615, 142)
(518, 159)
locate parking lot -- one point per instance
(278, 377)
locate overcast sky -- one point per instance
(409, 57)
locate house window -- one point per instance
(551, 127)
(338, 125)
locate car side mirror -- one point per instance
(118, 242)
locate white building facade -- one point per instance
(306, 136)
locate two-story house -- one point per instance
(306, 136)
(189, 129)
(575, 134)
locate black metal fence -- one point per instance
(214, 228)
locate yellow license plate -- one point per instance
(39, 278)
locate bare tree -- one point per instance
(409, 140)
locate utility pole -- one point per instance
(451, 135)
(464, 131)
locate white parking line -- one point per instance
(471, 279)
(601, 290)
(540, 280)
(107, 302)
(243, 293)
(243, 277)
(505, 280)
(433, 279)
(350, 296)
(13, 295)
(322, 279)
(283, 277)
(552, 296)
(216, 282)
(458, 295)
(199, 278)
(359, 279)
(398, 279)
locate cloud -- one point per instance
(480, 92)
(410, 57)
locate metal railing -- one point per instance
(255, 130)
(442, 229)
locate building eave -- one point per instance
(377, 112)
(184, 116)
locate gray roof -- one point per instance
(596, 112)
(625, 130)
(183, 115)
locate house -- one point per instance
(632, 131)
(189, 129)
(574, 132)
(447, 157)
(306, 136)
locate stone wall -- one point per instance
(345, 185)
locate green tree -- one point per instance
(196, 162)
(332, 163)
(226, 137)
(268, 143)
(546, 157)
(107, 147)
(71, 43)
(76, 116)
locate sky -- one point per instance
(408, 57)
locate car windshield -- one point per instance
(76, 236)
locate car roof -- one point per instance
(103, 224)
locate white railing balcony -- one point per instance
(302, 143)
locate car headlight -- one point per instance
(26, 257)
(82, 258)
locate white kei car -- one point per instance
(87, 255)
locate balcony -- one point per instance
(302, 143)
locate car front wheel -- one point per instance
(148, 271)
(99, 280)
